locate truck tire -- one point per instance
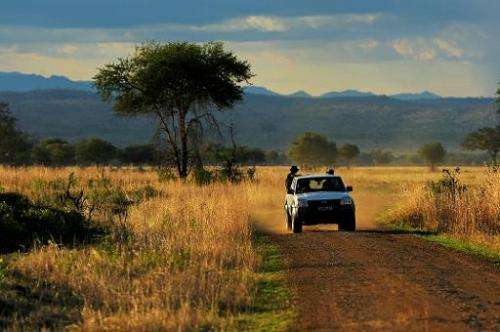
(296, 225)
(348, 223)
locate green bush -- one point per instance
(203, 176)
(22, 223)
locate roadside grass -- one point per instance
(463, 245)
(271, 303)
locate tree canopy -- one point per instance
(312, 149)
(181, 84)
(53, 152)
(381, 157)
(94, 151)
(433, 153)
(349, 152)
(485, 139)
(15, 146)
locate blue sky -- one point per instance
(446, 46)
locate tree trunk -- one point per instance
(183, 171)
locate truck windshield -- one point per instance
(308, 185)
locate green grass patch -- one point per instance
(465, 246)
(271, 309)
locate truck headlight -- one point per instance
(302, 203)
(346, 201)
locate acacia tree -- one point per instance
(349, 152)
(433, 153)
(94, 151)
(381, 157)
(485, 139)
(181, 84)
(312, 149)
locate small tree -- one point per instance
(312, 149)
(485, 139)
(14, 144)
(433, 153)
(381, 157)
(94, 151)
(179, 83)
(54, 152)
(349, 152)
(138, 154)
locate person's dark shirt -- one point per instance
(289, 180)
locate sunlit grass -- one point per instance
(190, 260)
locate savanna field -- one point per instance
(133, 249)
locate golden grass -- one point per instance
(472, 213)
(190, 263)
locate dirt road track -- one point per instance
(372, 280)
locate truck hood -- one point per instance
(322, 195)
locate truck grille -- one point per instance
(321, 204)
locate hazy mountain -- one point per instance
(19, 82)
(346, 93)
(270, 122)
(28, 82)
(416, 96)
(259, 90)
(300, 94)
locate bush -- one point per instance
(22, 223)
(203, 176)
(165, 174)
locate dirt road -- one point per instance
(375, 280)
(380, 281)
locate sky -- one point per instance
(450, 47)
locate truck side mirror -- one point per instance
(348, 188)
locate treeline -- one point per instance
(312, 150)
(19, 148)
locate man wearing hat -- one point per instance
(289, 178)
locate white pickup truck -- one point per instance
(319, 199)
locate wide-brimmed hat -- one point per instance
(294, 168)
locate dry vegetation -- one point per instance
(186, 259)
(464, 205)
(181, 256)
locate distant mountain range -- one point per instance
(19, 82)
(268, 121)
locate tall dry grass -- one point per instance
(469, 210)
(187, 262)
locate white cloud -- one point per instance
(283, 24)
(416, 49)
(449, 48)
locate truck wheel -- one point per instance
(288, 221)
(296, 225)
(349, 223)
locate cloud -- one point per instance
(432, 48)
(284, 24)
(449, 48)
(417, 49)
(239, 28)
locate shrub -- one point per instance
(22, 223)
(203, 176)
(165, 174)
